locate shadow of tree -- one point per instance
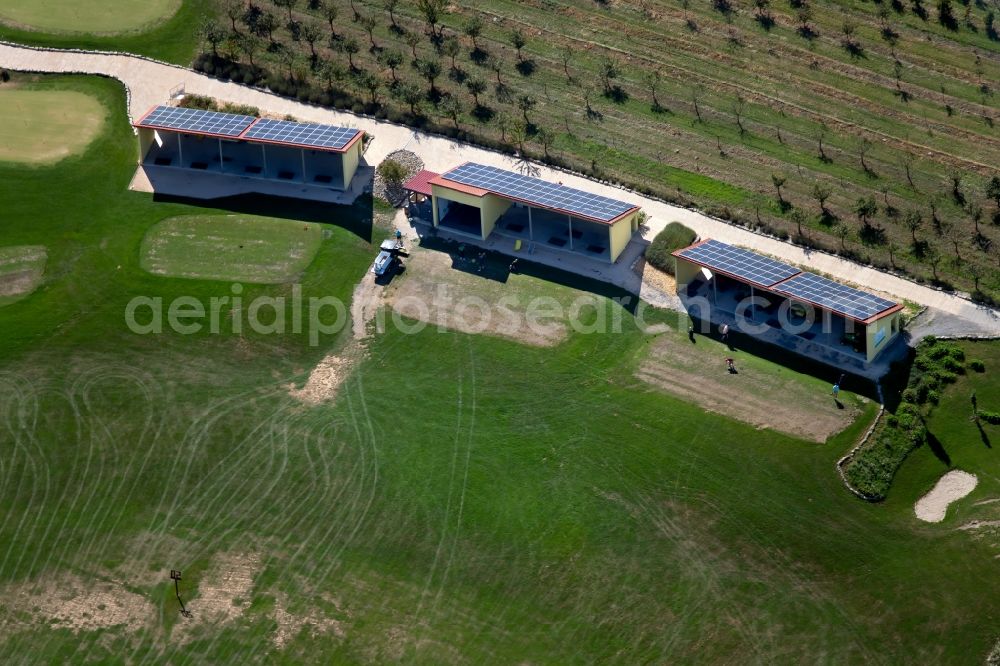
(526, 67)
(934, 444)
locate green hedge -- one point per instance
(873, 467)
(673, 237)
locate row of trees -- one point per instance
(915, 221)
(330, 55)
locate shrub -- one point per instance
(993, 418)
(948, 377)
(951, 364)
(241, 109)
(192, 101)
(977, 365)
(933, 397)
(910, 396)
(673, 237)
(392, 172)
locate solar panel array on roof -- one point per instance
(834, 296)
(539, 192)
(741, 263)
(301, 134)
(197, 120)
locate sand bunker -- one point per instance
(951, 487)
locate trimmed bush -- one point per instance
(977, 365)
(673, 237)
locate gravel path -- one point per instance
(149, 83)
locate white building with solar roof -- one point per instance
(479, 201)
(228, 144)
(801, 311)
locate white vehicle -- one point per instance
(382, 263)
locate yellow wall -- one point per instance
(685, 273)
(490, 206)
(350, 162)
(619, 234)
(454, 195)
(490, 211)
(145, 142)
(883, 324)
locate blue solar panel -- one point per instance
(197, 121)
(537, 192)
(834, 296)
(738, 262)
(301, 134)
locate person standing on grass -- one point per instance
(731, 365)
(836, 390)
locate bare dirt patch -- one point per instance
(365, 302)
(291, 624)
(433, 292)
(761, 399)
(67, 602)
(224, 592)
(324, 380)
(951, 487)
(21, 271)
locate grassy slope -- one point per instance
(173, 41)
(452, 509)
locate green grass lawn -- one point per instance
(45, 126)
(465, 499)
(93, 16)
(171, 37)
(238, 248)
